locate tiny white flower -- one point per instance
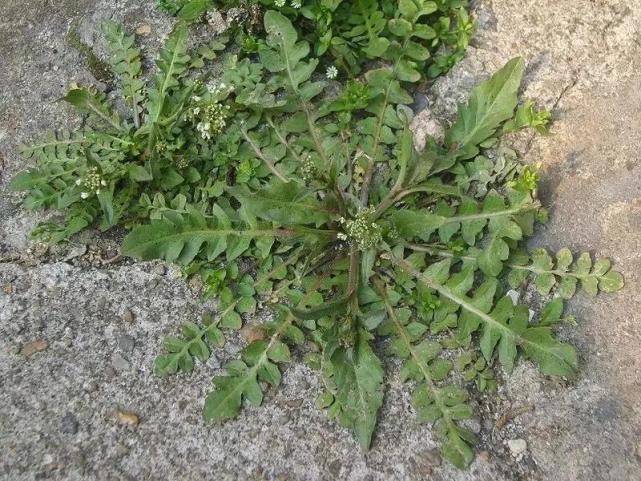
(103, 183)
(78, 182)
(341, 236)
(296, 4)
(84, 195)
(196, 98)
(98, 192)
(196, 110)
(279, 3)
(331, 73)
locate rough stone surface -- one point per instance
(583, 63)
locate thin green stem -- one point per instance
(262, 157)
(282, 139)
(352, 286)
(367, 180)
(303, 104)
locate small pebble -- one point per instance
(293, 403)
(32, 347)
(420, 102)
(195, 283)
(128, 316)
(159, 270)
(126, 418)
(484, 456)
(69, 424)
(474, 425)
(143, 30)
(516, 446)
(639, 450)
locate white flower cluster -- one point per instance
(91, 183)
(210, 117)
(331, 72)
(361, 230)
(181, 162)
(308, 169)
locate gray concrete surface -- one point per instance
(102, 323)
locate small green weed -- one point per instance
(346, 231)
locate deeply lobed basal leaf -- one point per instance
(356, 376)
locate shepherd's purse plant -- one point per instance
(292, 187)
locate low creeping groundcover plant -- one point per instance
(284, 190)
(348, 34)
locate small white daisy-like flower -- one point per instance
(196, 110)
(84, 195)
(296, 4)
(79, 181)
(342, 236)
(331, 72)
(279, 3)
